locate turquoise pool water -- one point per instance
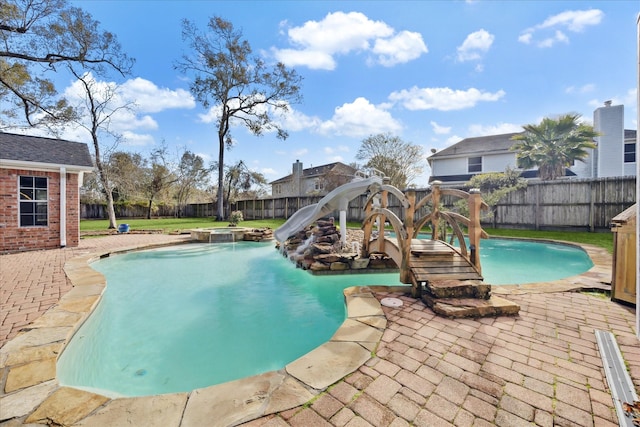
(506, 262)
(195, 315)
(184, 317)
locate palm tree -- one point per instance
(554, 145)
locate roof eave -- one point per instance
(41, 166)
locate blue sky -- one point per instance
(431, 72)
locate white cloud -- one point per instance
(575, 21)
(360, 119)
(589, 87)
(443, 99)
(404, 47)
(440, 130)
(332, 159)
(452, 140)
(525, 37)
(294, 120)
(149, 98)
(133, 139)
(475, 45)
(333, 150)
(267, 171)
(301, 152)
(498, 129)
(559, 36)
(314, 59)
(316, 43)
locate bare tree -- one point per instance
(35, 37)
(399, 160)
(240, 180)
(158, 178)
(190, 175)
(127, 172)
(99, 105)
(242, 88)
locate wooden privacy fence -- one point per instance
(573, 204)
(585, 204)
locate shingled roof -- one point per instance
(483, 144)
(337, 167)
(16, 148)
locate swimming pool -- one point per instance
(190, 316)
(180, 318)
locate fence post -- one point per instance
(537, 208)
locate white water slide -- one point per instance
(337, 199)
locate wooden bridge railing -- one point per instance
(438, 219)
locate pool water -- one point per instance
(506, 262)
(190, 316)
(180, 318)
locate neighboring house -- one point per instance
(40, 181)
(614, 156)
(314, 181)
(616, 153)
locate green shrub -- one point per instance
(236, 217)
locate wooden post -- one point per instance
(384, 201)
(368, 226)
(405, 246)
(435, 218)
(475, 230)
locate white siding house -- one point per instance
(615, 155)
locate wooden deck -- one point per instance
(435, 260)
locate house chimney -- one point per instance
(296, 179)
(607, 103)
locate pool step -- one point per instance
(458, 289)
(471, 307)
(465, 298)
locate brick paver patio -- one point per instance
(540, 368)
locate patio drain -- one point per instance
(622, 389)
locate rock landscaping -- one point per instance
(318, 248)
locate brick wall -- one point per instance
(16, 238)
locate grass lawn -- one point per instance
(167, 225)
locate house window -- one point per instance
(318, 185)
(33, 201)
(630, 152)
(475, 164)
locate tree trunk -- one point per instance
(220, 215)
(111, 211)
(149, 209)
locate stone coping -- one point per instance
(32, 394)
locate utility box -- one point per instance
(625, 244)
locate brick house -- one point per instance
(40, 181)
(313, 181)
